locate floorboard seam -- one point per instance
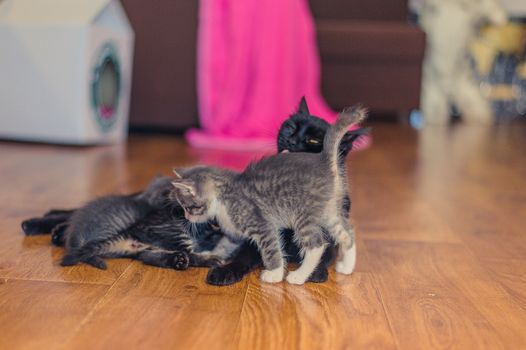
(94, 308)
(58, 281)
(382, 302)
(242, 308)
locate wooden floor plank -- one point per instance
(34, 258)
(42, 315)
(511, 274)
(43, 177)
(426, 303)
(345, 313)
(153, 308)
(441, 253)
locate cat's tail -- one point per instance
(333, 137)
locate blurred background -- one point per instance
(147, 61)
(371, 51)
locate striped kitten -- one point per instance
(303, 192)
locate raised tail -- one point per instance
(333, 137)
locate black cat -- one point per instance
(164, 229)
(304, 132)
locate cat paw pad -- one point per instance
(296, 278)
(272, 276)
(180, 261)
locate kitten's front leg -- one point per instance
(269, 247)
(177, 260)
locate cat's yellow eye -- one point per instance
(313, 141)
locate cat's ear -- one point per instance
(303, 108)
(186, 186)
(177, 173)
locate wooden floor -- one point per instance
(440, 219)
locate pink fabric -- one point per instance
(256, 58)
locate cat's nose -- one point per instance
(292, 142)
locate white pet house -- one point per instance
(65, 70)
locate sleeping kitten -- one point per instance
(303, 192)
(161, 238)
(93, 231)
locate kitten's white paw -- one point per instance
(348, 262)
(295, 277)
(341, 267)
(273, 276)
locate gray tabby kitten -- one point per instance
(303, 192)
(104, 218)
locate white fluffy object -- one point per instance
(450, 25)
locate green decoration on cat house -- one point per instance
(65, 71)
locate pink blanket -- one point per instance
(256, 58)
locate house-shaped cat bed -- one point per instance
(65, 70)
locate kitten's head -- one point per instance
(194, 189)
(157, 191)
(303, 132)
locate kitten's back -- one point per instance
(281, 184)
(102, 217)
(106, 216)
(292, 180)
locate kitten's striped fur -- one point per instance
(303, 192)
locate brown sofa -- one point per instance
(369, 54)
